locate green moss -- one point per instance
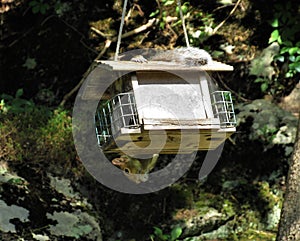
(55, 138)
(206, 199)
(228, 208)
(183, 195)
(9, 149)
(257, 235)
(37, 135)
(267, 195)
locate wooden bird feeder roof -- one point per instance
(160, 66)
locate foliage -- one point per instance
(280, 61)
(30, 63)
(33, 132)
(162, 12)
(197, 35)
(15, 104)
(286, 30)
(42, 7)
(262, 68)
(61, 8)
(203, 31)
(160, 236)
(39, 6)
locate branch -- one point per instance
(137, 30)
(104, 35)
(230, 14)
(234, 92)
(107, 45)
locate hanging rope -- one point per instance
(121, 30)
(183, 24)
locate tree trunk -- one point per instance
(289, 226)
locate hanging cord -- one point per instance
(183, 24)
(120, 30)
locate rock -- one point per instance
(51, 208)
(269, 123)
(291, 102)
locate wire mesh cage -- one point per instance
(119, 116)
(116, 115)
(223, 108)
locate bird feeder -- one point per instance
(160, 107)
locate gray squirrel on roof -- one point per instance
(190, 56)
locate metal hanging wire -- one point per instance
(121, 30)
(183, 24)
(123, 20)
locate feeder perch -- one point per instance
(160, 107)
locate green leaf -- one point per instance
(16, 181)
(43, 10)
(284, 50)
(19, 93)
(284, 18)
(7, 97)
(264, 86)
(162, 25)
(288, 43)
(289, 74)
(279, 40)
(295, 66)
(259, 80)
(275, 23)
(292, 58)
(158, 232)
(185, 8)
(30, 63)
(280, 58)
(32, 3)
(154, 13)
(36, 9)
(293, 50)
(169, 2)
(165, 237)
(175, 233)
(274, 36)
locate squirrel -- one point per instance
(189, 56)
(136, 170)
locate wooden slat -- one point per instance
(160, 65)
(168, 142)
(164, 124)
(205, 94)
